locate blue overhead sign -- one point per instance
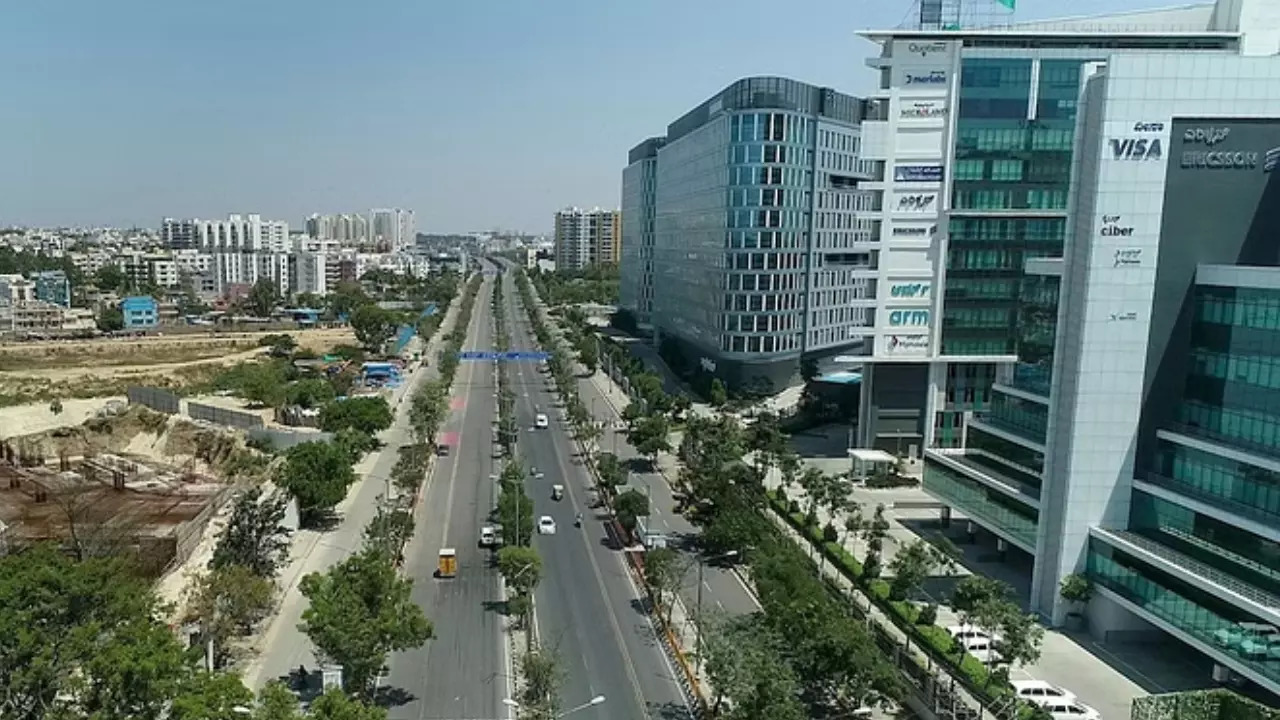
(504, 356)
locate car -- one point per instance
(963, 633)
(1062, 710)
(983, 649)
(546, 526)
(489, 536)
(1040, 692)
(541, 422)
(442, 451)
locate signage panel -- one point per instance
(913, 231)
(902, 345)
(917, 173)
(908, 318)
(917, 203)
(1136, 149)
(1113, 226)
(910, 290)
(1127, 257)
(922, 109)
(924, 78)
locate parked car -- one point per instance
(1061, 710)
(1040, 692)
(983, 649)
(962, 633)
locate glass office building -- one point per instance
(759, 253)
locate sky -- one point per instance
(476, 114)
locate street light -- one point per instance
(697, 625)
(590, 703)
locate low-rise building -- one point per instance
(140, 312)
(52, 286)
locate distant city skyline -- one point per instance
(478, 117)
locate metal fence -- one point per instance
(281, 439)
(224, 416)
(154, 398)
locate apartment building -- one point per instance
(587, 238)
(393, 228)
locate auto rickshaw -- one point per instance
(557, 492)
(447, 566)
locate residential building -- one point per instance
(761, 237)
(308, 273)
(393, 229)
(140, 312)
(587, 238)
(242, 233)
(53, 286)
(159, 269)
(31, 317)
(639, 185)
(16, 288)
(178, 234)
(1137, 439)
(346, 228)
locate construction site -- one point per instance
(106, 503)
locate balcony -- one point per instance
(988, 471)
(1217, 500)
(1007, 430)
(1226, 440)
(986, 506)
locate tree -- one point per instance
(649, 436)
(110, 278)
(718, 396)
(521, 567)
(369, 415)
(588, 355)
(808, 369)
(55, 406)
(975, 591)
(373, 326)
(211, 696)
(277, 702)
(389, 530)
(254, 536)
(317, 475)
(262, 298)
(337, 705)
(629, 506)
(227, 602)
(281, 344)
(360, 611)
(309, 393)
(83, 634)
(662, 574)
(110, 319)
(515, 513)
(543, 677)
(746, 663)
(263, 383)
(912, 565)
(612, 472)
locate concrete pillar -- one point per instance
(944, 517)
(1002, 548)
(971, 529)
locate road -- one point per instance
(588, 608)
(461, 673)
(284, 647)
(723, 590)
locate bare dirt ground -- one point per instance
(32, 372)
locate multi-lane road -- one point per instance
(462, 673)
(588, 608)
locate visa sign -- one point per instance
(908, 318)
(1136, 149)
(909, 290)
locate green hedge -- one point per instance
(935, 641)
(1219, 704)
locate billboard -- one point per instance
(908, 317)
(910, 290)
(922, 109)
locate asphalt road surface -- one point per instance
(461, 673)
(723, 591)
(588, 609)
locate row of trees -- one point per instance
(597, 285)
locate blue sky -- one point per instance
(477, 114)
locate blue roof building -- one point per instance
(139, 312)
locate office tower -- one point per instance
(761, 247)
(1136, 438)
(587, 238)
(639, 181)
(178, 234)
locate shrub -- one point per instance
(829, 533)
(928, 615)
(793, 507)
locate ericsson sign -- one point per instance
(1207, 154)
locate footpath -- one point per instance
(280, 647)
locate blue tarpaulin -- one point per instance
(408, 331)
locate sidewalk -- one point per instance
(279, 646)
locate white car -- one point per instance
(541, 422)
(1062, 710)
(1041, 692)
(965, 633)
(546, 526)
(489, 536)
(983, 649)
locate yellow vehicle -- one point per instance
(448, 563)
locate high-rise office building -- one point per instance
(1135, 438)
(639, 183)
(761, 250)
(587, 238)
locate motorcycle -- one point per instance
(577, 522)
